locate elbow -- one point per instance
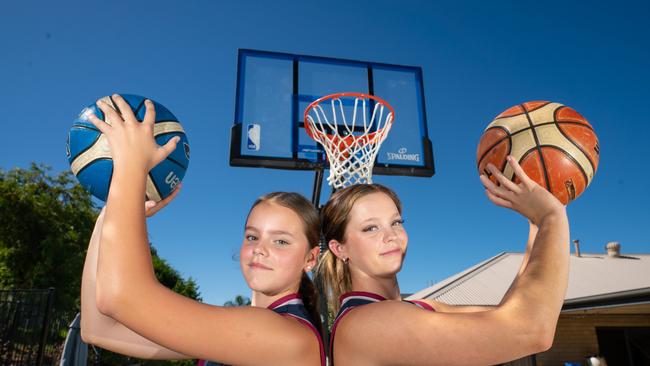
(86, 337)
(542, 338)
(86, 333)
(108, 300)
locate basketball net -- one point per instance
(351, 142)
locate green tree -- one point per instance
(46, 222)
(171, 279)
(238, 301)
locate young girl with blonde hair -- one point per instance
(367, 241)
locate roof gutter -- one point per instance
(614, 299)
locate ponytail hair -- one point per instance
(310, 298)
(311, 225)
(331, 270)
(335, 277)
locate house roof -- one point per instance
(594, 280)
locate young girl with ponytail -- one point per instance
(363, 228)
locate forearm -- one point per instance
(532, 233)
(134, 346)
(538, 293)
(124, 267)
(104, 331)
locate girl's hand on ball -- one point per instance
(132, 142)
(527, 197)
(152, 207)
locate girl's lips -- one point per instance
(258, 265)
(393, 251)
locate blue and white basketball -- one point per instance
(90, 157)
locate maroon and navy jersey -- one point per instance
(290, 306)
(351, 300)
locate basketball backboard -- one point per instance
(273, 90)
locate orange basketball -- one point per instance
(553, 143)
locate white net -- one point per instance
(350, 142)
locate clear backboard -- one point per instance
(273, 90)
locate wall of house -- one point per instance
(575, 336)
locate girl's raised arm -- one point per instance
(128, 291)
(104, 331)
(524, 323)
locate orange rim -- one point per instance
(346, 94)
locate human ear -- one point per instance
(312, 258)
(338, 249)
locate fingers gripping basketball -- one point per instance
(554, 144)
(525, 196)
(90, 156)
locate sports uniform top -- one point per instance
(289, 306)
(351, 300)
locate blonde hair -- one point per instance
(331, 271)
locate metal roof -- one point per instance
(593, 278)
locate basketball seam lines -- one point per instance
(90, 146)
(526, 129)
(155, 186)
(85, 127)
(93, 162)
(117, 109)
(519, 114)
(539, 149)
(507, 136)
(109, 181)
(505, 161)
(593, 168)
(575, 162)
(135, 111)
(176, 162)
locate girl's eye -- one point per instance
(281, 242)
(399, 222)
(251, 237)
(370, 228)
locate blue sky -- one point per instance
(478, 58)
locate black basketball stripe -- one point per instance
(169, 133)
(117, 109)
(505, 161)
(553, 123)
(556, 121)
(167, 120)
(510, 135)
(584, 174)
(110, 179)
(88, 147)
(568, 123)
(524, 156)
(153, 181)
(593, 167)
(538, 107)
(539, 149)
(86, 127)
(177, 162)
(496, 143)
(93, 162)
(136, 110)
(524, 112)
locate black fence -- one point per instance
(32, 330)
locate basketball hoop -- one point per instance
(351, 146)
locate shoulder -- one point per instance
(387, 311)
(362, 332)
(308, 339)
